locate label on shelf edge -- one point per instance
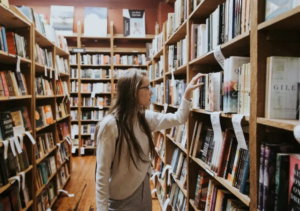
(219, 56)
(238, 130)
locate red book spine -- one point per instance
(11, 43)
(5, 87)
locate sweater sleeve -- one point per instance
(106, 141)
(158, 121)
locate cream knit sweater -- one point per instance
(123, 179)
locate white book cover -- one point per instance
(61, 19)
(134, 23)
(281, 87)
(95, 21)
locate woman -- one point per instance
(125, 146)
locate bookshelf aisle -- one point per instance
(276, 37)
(96, 64)
(34, 95)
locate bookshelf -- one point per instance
(276, 37)
(110, 45)
(13, 20)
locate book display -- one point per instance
(203, 167)
(95, 73)
(34, 87)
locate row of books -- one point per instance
(174, 94)
(95, 87)
(178, 17)
(44, 170)
(15, 197)
(73, 59)
(88, 128)
(62, 87)
(12, 83)
(224, 157)
(43, 57)
(96, 102)
(159, 68)
(63, 130)
(74, 115)
(14, 122)
(179, 134)
(13, 43)
(176, 55)
(95, 59)
(74, 132)
(211, 196)
(62, 65)
(74, 101)
(179, 167)
(43, 86)
(278, 176)
(44, 115)
(74, 86)
(158, 93)
(157, 44)
(46, 197)
(63, 175)
(61, 110)
(63, 154)
(178, 200)
(74, 73)
(159, 147)
(88, 142)
(139, 59)
(39, 22)
(93, 115)
(12, 165)
(95, 73)
(45, 143)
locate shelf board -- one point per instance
(40, 68)
(94, 107)
(15, 98)
(129, 50)
(64, 162)
(63, 74)
(205, 8)
(4, 188)
(28, 205)
(134, 65)
(177, 144)
(288, 21)
(237, 46)
(178, 35)
(67, 180)
(100, 93)
(63, 118)
(73, 78)
(162, 158)
(95, 65)
(44, 97)
(158, 104)
(202, 111)
(73, 93)
(244, 198)
(42, 40)
(73, 64)
(90, 147)
(46, 155)
(96, 50)
(86, 134)
(159, 53)
(285, 124)
(61, 52)
(170, 1)
(160, 79)
(193, 205)
(53, 201)
(90, 120)
(147, 37)
(184, 191)
(179, 71)
(9, 19)
(95, 79)
(83, 37)
(45, 126)
(171, 106)
(12, 59)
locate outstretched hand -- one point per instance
(194, 84)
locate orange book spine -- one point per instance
(48, 114)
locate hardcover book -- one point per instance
(95, 16)
(134, 23)
(61, 19)
(294, 183)
(278, 7)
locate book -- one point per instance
(39, 116)
(48, 114)
(6, 124)
(95, 16)
(281, 87)
(61, 19)
(134, 23)
(294, 177)
(275, 8)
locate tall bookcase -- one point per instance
(276, 37)
(110, 45)
(15, 21)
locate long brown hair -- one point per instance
(128, 112)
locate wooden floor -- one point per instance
(82, 184)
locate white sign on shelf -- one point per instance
(297, 133)
(18, 64)
(30, 137)
(46, 74)
(66, 192)
(5, 143)
(216, 125)
(82, 151)
(51, 73)
(238, 130)
(219, 56)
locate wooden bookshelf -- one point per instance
(112, 44)
(13, 19)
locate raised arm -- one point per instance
(158, 121)
(106, 141)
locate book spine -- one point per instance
(245, 174)
(5, 87)
(261, 177)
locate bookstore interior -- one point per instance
(60, 62)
